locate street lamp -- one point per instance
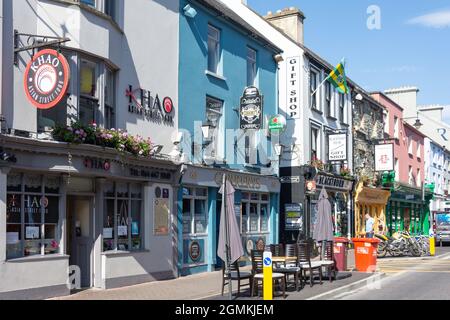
(418, 124)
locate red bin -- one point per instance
(366, 254)
(340, 253)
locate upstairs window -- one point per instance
(214, 112)
(110, 8)
(213, 49)
(314, 144)
(251, 67)
(91, 3)
(110, 114)
(88, 105)
(342, 108)
(313, 75)
(328, 98)
(396, 128)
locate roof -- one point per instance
(387, 98)
(226, 13)
(402, 89)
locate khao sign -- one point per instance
(46, 79)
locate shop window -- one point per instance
(122, 218)
(214, 112)
(314, 144)
(195, 213)
(32, 217)
(255, 213)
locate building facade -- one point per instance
(220, 65)
(408, 206)
(69, 202)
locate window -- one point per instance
(397, 170)
(90, 3)
(110, 113)
(214, 111)
(314, 144)
(110, 8)
(123, 218)
(328, 98)
(419, 153)
(342, 107)
(213, 49)
(251, 67)
(195, 217)
(255, 213)
(32, 215)
(313, 75)
(419, 178)
(410, 145)
(386, 121)
(410, 176)
(396, 128)
(88, 92)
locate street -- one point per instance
(408, 279)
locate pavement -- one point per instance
(432, 272)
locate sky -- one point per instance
(411, 47)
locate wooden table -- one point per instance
(284, 259)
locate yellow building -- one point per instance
(372, 201)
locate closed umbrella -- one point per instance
(230, 243)
(323, 229)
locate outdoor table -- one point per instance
(283, 259)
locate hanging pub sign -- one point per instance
(142, 103)
(46, 79)
(337, 147)
(251, 109)
(277, 124)
(384, 157)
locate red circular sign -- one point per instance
(46, 79)
(168, 105)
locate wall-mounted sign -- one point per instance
(290, 180)
(311, 186)
(332, 182)
(293, 88)
(149, 174)
(277, 124)
(251, 109)
(294, 216)
(162, 217)
(195, 251)
(46, 79)
(239, 181)
(143, 103)
(100, 164)
(384, 157)
(337, 147)
(261, 244)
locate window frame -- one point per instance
(328, 99)
(317, 142)
(215, 148)
(252, 66)
(314, 99)
(248, 202)
(43, 194)
(341, 107)
(129, 199)
(192, 216)
(218, 49)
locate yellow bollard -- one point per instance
(432, 245)
(268, 281)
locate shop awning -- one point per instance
(371, 196)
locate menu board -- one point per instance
(294, 217)
(162, 213)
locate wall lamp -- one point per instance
(418, 124)
(278, 58)
(189, 11)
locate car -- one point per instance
(442, 227)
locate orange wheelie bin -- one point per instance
(366, 254)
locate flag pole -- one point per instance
(317, 89)
(227, 238)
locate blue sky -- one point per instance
(412, 47)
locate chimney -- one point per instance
(406, 97)
(433, 111)
(290, 21)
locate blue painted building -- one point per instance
(220, 56)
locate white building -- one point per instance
(310, 121)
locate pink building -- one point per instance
(408, 144)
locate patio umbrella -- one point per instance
(323, 229)
(230, 243)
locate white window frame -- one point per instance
(252, 62)
(396, 128)
(217, 133)
(247, 223)
(192, 198)
(217, 53)
(410, 145)
(419, 150)
(316, 73)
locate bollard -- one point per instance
(432, 245)
(268, 281)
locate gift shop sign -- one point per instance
(293, 86)
(144, 103)
(46, 79)
(337, 144)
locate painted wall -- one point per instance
(401, 145)
(195, 85)
(435, 172)
(140, 60)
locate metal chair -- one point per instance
(236, 275)
(304, 261)
(258, 276)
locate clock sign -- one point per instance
(46, 79)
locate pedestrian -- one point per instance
(370, 222)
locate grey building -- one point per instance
(108, 215)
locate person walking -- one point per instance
(370, 222)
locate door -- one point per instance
(80, 242)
